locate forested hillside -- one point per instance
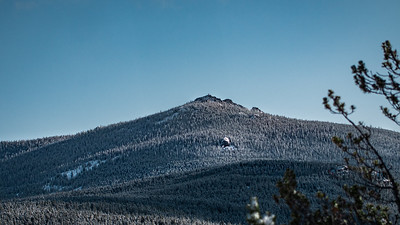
(214, 195)
(175, 164)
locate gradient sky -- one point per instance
(68, 66)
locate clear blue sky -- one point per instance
(70, 65)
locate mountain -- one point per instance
(199, 162)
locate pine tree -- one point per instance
(374, 197)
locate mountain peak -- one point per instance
(208, 98)
(211, 98)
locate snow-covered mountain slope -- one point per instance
(179, 140)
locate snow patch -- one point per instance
(86, 167)
(243, 114)
(49, 187)
(72, 173)
(116, 157)
(168, 118)
(231, 147)
(78, 188)
(94, 163)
